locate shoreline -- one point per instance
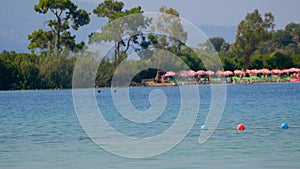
(157, 85)
(202, 84)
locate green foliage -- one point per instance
(110, 9)
(169, 23)
(66, 15)
(192, 60)
(294, 30)
(278, 60)
(104, 73)
(230, 63)
(257, 62)
(8, 74)
(29, 71)
(281, 38)
(116, 29)
(85, 70)
(217, 42)
(296, 60)
(251, 31)
(57, 73)
(40, 39)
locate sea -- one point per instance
(41, 129)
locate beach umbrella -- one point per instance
(191, 73)
(183, 73)
(200, 72)
(264, 71)
(170, 73)
(209, 72)
(228, 73)
(275, 71)
(239, 72)
(284, 71)
(293, 70)
(252, 72)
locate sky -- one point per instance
(215, 17)
(221, 12)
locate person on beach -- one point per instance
(297, 76)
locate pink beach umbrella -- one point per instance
(293, 70)
(183, 73)
(239, 72)
(209, 73)
(252, 71)
(170, 73)
(224, 73)
(284, 71)
(264, 71)
(200, 72)
(275, 71)
(228, 73)
(191, 73)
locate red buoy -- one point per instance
(241, 127)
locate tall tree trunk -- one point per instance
(58, 36)
(246, 61)
(115, 52)
(128, 44)
(157, 76)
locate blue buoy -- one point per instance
(204, 127)
(284, 125)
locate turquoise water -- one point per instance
(40, 129)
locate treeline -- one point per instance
(31, 71)
(271, 49)
(54, 50)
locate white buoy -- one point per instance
(204, 127)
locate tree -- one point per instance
(294, 30)
(27, 66)
(104, 73)
(296, 60)
(8, 74)
(251, 31)
(278, 60)
(112, 10)
(257, 62)
(169, 23)
(281, 38)
(117, 28)
(43, 40)
(229, 63)
(172, 37)
(216, 42)
(18, 70)
(224, 47)
(66, 15)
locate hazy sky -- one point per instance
(18, 19)
(222, 12)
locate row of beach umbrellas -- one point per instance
(187, 73)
